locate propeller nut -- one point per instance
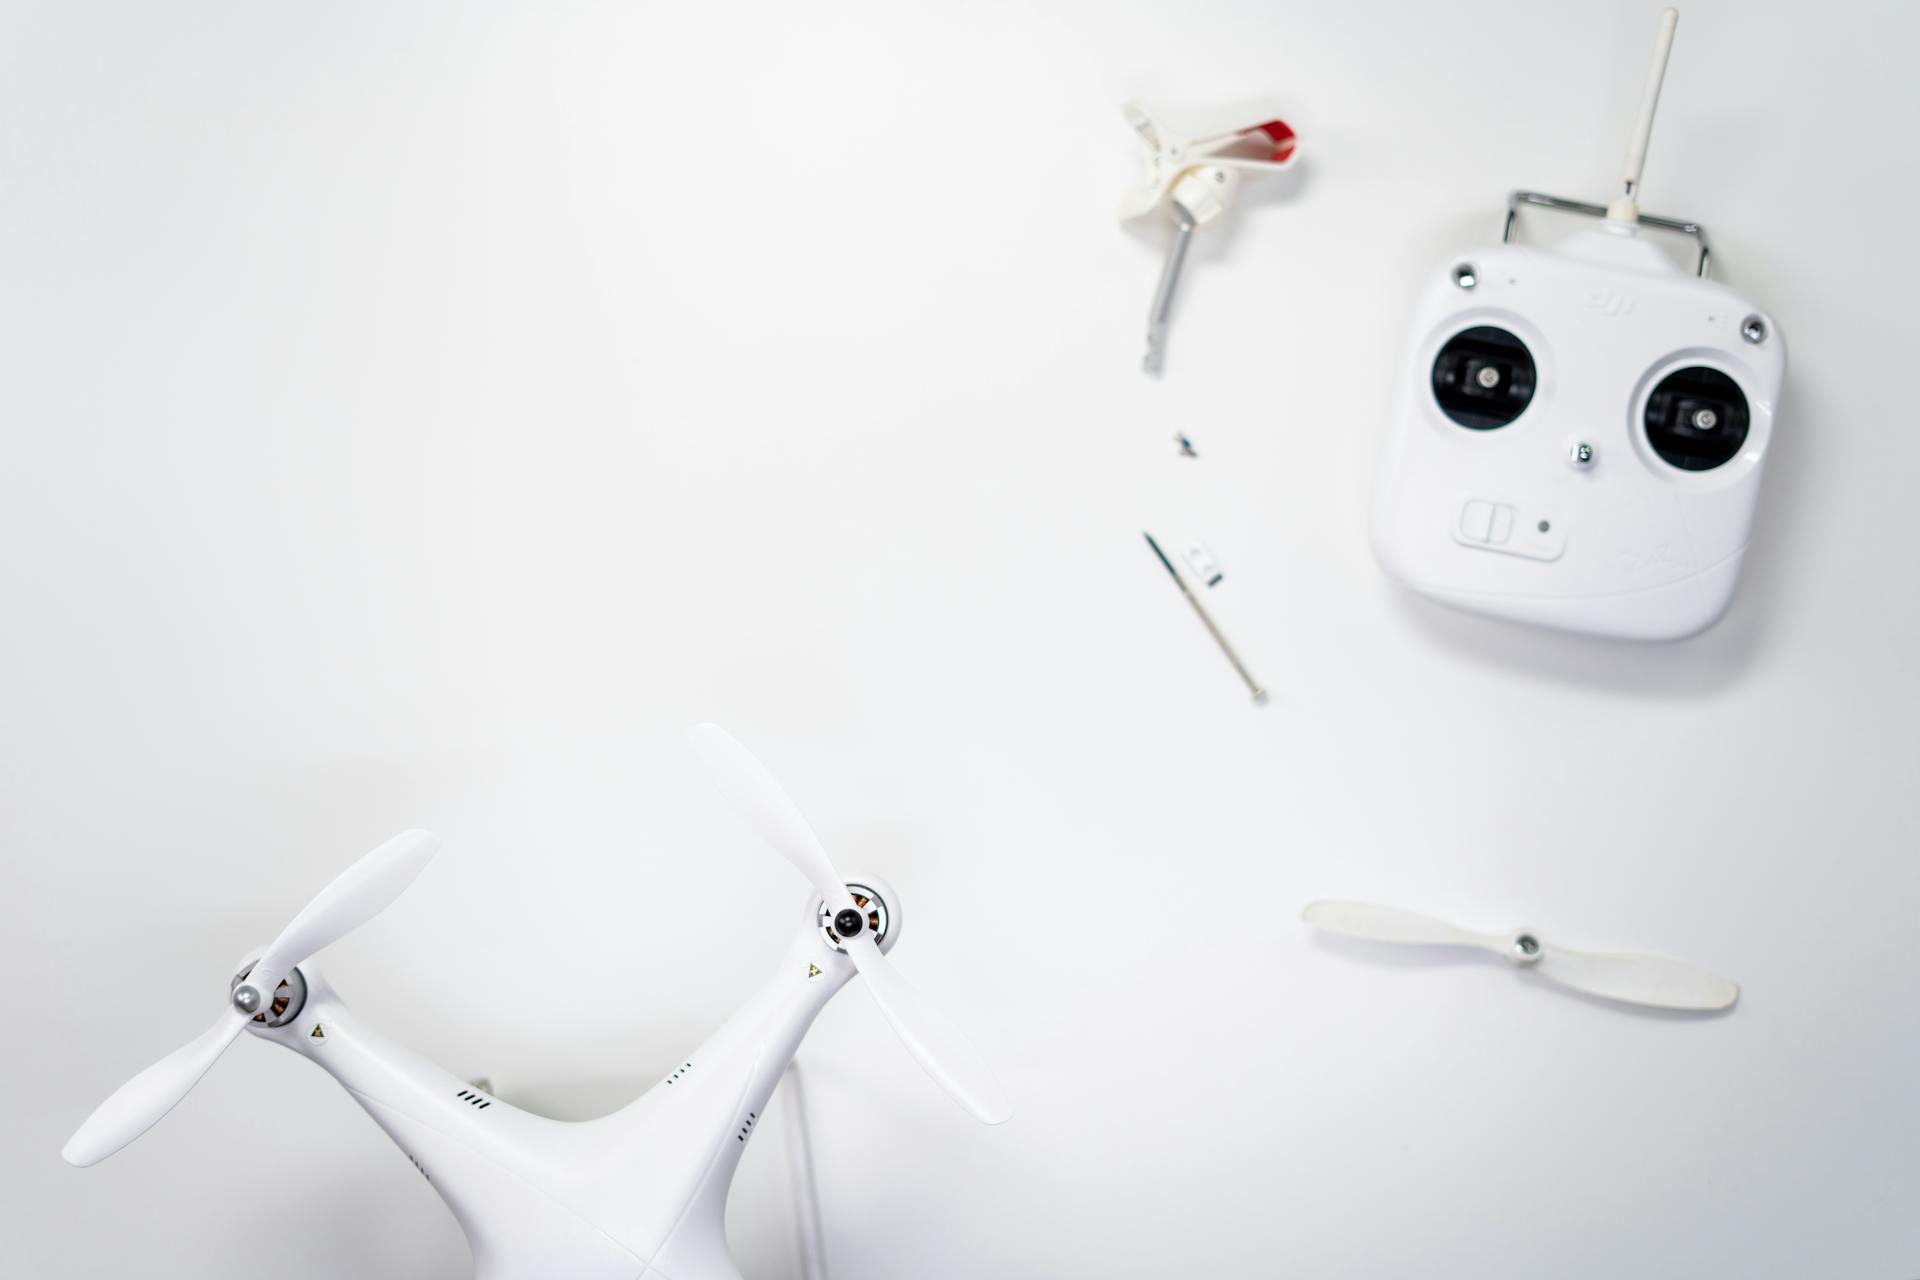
(288, 998)
(848, 923)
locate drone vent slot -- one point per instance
(742, 1135)
(473, 1099)
(422, 1168)
(684, 1068)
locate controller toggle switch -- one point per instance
(1532, 532)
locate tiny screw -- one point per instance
(1544, 525)
(1465, 275)
(1581, 455)
(1526, 947)
(1705, 419)
(1754, 330)
(1488, 377)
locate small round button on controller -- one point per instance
(1483, 378)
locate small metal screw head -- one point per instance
(246, 999)
(1754, 330)
(1581, 455)
(1465, 275)
(848, 922)
(1488, 377)
(1219, 175)
(1705, 419)
(1526, 948)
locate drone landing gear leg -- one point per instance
(806, 1188)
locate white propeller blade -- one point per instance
(355, 896)
(940, 1048)
(1632, 979)
(766, 807)
(1390, 924)
(358, 894)
(138, 1105)
(1637, 979)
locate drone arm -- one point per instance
(672, 1153)
(370, 1066)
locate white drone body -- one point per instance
(1582, 428)
(637, 1195)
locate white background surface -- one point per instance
(419, 414)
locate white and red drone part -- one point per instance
(1194, 179)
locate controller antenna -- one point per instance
(1627, 207)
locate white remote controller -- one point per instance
(1583, 426)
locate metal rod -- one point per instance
(1683, 226)
(1240, 668)
(1163, 296)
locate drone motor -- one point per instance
(878, 920)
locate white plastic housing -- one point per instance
(1631, 546)
(637, 1195)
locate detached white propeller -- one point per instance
(939, 1046)
(1632, 979)
(360, 893)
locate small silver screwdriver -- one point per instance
(1253, 686)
